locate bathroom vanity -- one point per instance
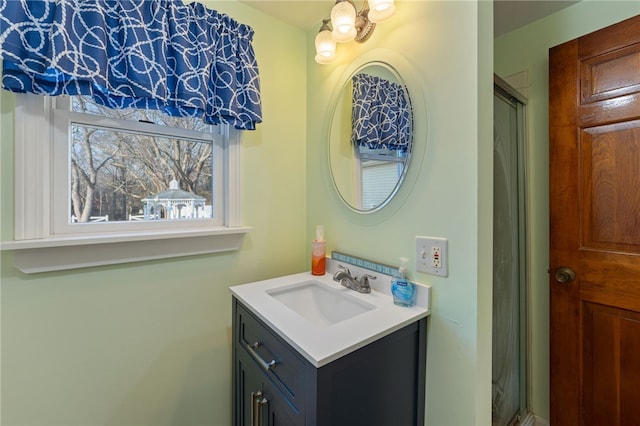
(358, 360)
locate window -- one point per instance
(120, 181)
(381, 171)
(133, 169)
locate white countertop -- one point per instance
(322, 344)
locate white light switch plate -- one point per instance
(432, 255)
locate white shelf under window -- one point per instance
(81, 251)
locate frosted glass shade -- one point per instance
(325, 47)
(381, 10)
(343, 21)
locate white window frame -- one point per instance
(64, 118)
(43, 239)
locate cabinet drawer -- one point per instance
(287, 369)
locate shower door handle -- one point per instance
(564, 274)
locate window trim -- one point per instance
(38, 249)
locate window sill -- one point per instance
(72, 252)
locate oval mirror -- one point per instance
(370, 137)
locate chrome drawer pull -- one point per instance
(264, 364)
(255, 396)
(262, 405)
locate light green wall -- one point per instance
(149, 343)
(527, 49)
(447, 193)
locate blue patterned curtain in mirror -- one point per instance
(380, 114)
(185, 60)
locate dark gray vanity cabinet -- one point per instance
(381, 384)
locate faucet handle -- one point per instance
(364, 279)
(345, 269)
(342, 273)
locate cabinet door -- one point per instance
(258, 401)
(248, 381)
(280, 410)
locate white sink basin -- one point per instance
(318, 303)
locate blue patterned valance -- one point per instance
(185, 60)
(381, 114)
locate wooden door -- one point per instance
(594, 118)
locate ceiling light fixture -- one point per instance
(348, 24)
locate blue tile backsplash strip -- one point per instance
(363, 263)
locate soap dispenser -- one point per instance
(318, 252)
(403, 290)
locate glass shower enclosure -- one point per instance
(509, 366)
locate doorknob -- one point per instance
(564, 274)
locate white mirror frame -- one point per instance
(412, 81)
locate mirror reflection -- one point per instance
(370, 137)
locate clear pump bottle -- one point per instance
(403, 290)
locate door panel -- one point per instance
(594, 149)
(611, 208)
(610, 75)
(611, 363)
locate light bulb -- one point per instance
(381, 10)
(343, 21)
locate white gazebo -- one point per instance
(174, 203)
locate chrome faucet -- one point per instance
(344, 277)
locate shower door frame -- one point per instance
(511, 95)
